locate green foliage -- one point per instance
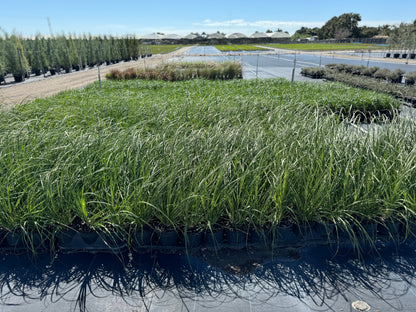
(305, 32)
(153, 49)
(343, 26)
(16, 62)
(198, 154)
(396, 76)
(313, 72)
(372, 78)
(182, 71)
(382, 74)
(403, 36)
(39, 60)
(2, 58)
(410, 78)
(68, 51)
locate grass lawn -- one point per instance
(167, 48)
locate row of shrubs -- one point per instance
(370, 82)
(395, 76)
(384, 74)
(23, 56)
(182, 71)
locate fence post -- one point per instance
(293, 70)
(257, 66)
(99, 75)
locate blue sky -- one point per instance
(121, 17)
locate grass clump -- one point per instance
(197, 155)
(182, 71)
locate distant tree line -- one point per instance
(343, 26)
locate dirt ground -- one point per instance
(14, 94)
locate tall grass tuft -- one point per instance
(182, 71)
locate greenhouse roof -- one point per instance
(216, 36)
(172, 36)
(259, 35)
(151, 36)
(237, 35)
(279, 34)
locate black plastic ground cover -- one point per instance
(312, 234)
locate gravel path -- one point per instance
(14, 94)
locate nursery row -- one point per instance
(182, 71)
(202, 155)
(374, 78)
(395, 76)
(327, 46)
(20, 57)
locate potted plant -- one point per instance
(2, 70)
(16, 61)
(396, 76)
(410, 78)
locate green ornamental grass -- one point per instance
(201, 154)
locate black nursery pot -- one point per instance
(18, 240)
(19, 78)
(14, 239)
(214, 239)
(143, 237)
(167, 238)
(390, 230)
(192, 239)
(259, 237)
(236, 238)
(283, 235)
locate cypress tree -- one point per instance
(16, 61)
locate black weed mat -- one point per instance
(289, 279)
